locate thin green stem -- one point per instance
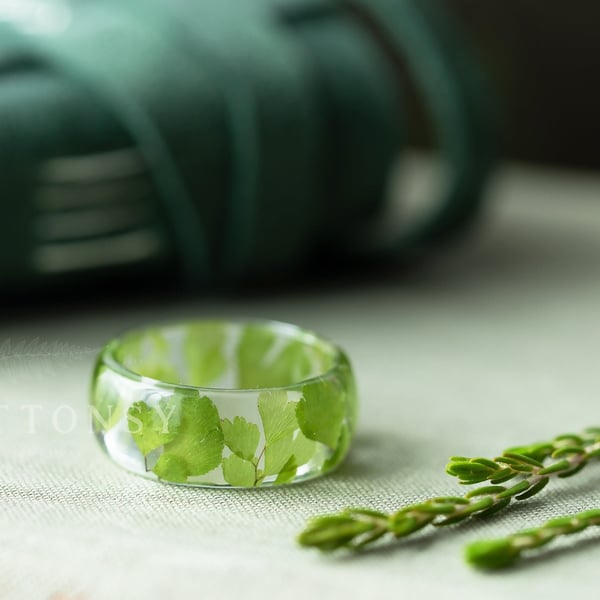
(504, 552)
(577, 450)
(255, 463)
(355, 528)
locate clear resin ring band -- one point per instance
(216, 403)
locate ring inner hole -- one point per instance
(216, 354)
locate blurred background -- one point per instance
(417, 180)
(211, 147)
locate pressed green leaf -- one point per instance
(285, 456)
(150, 427)
(292, 365)
(340, 451)
(239, 472)
(254, 345)
(171, 468)
(161, 370)
(149, 355)
(277, 454)
(199, 441)
(203, 349)
(107, 407)
(241, 437)
(279, 423)
(260, 475)
(277, 414)
(256, 366)
(303, 449)
(287, 472)
(321, 411)
(158, 340)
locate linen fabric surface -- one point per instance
(493, 345)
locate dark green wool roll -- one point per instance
(217, 142)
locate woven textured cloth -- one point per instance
(492, 346)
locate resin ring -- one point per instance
(215, 403)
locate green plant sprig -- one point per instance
(574, 451)
(504, 552)
(354, 529)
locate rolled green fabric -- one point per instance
(216, 142)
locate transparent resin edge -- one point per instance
(151, 417)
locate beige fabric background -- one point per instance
(495, 344)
